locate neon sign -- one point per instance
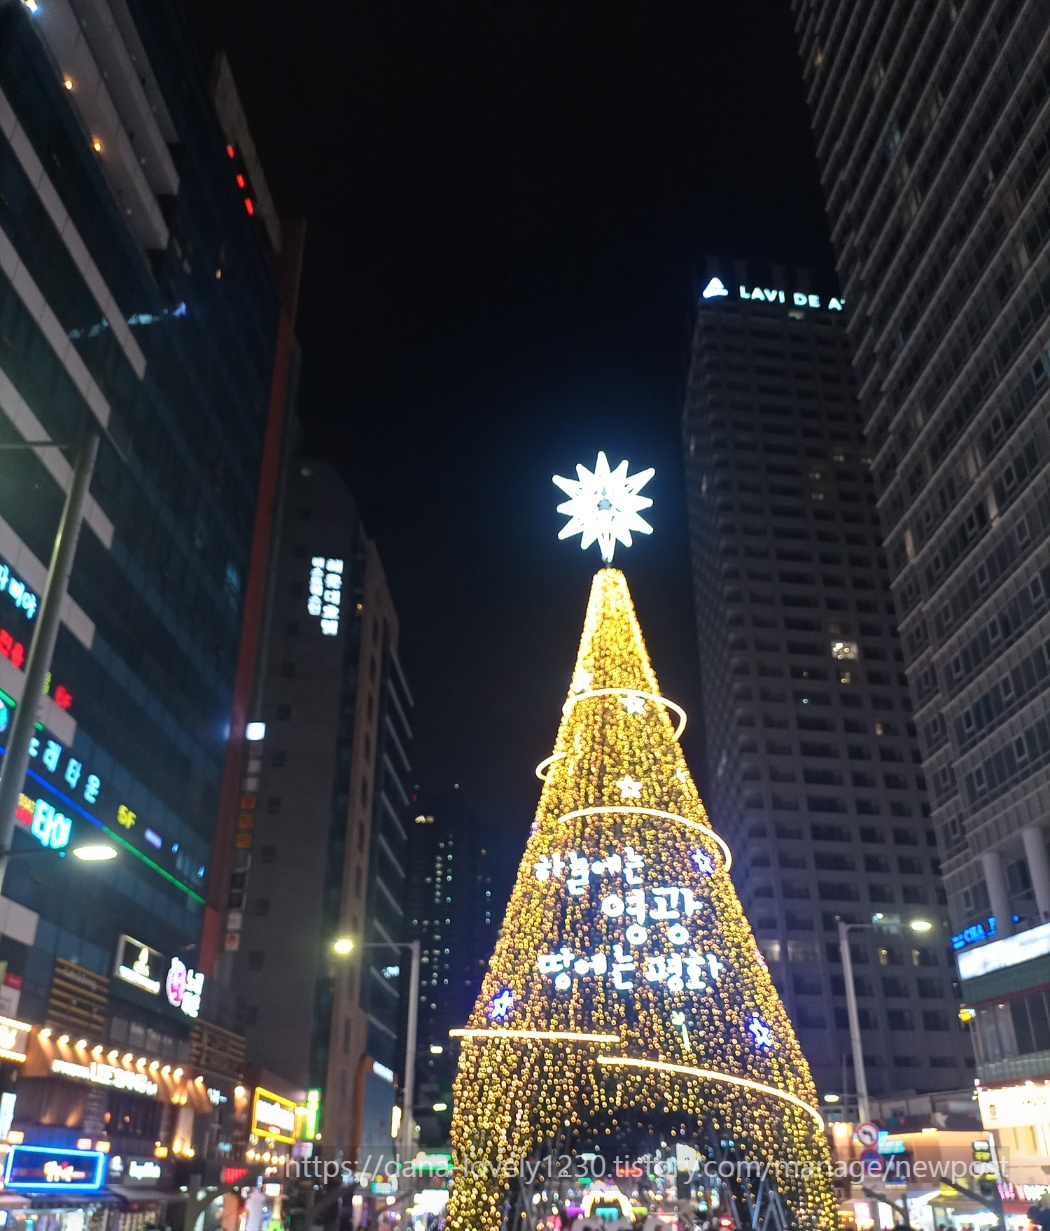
(18, 592)
(139, 971)
(717, 289)
(184, 987)
(326, 592)
(976, 932)
(106, 1075)
(50, 828)
(140, 966)
(40, 1168)
(273, 1117)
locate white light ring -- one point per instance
(671, 816)
(629, 692)
(567, 1036)
(546, 763)
(662, 1066)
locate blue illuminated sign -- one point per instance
(43, 1169)
(974, 934)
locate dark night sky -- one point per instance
(508, 206)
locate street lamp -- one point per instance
(345, 945)
(96, 852)
(860, 1076)
(90, 852)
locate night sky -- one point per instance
(508, 206)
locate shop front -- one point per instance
(1018, 1199)
(1019, 1117)
(54, 1188)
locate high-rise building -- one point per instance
(323, 826)
(449, 911)
(813, 772)
(138, 298)
(934, 146)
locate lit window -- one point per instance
(844, 649)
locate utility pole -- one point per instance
(411, 1030)
(42, 647)
(860, 1076)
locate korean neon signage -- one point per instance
(18, 592)
(326, 592)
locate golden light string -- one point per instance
(711, 1075)
(670, 816)
(629, 692)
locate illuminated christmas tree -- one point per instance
(626, 986)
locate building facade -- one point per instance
(449, 911)
(138, 297)
(813, 773)
(321, 849)
(933, 142)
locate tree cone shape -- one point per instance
(624, 922)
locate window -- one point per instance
(934, 1019)
(899, 1019)
(267, 854)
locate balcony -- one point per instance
(1032, 1066)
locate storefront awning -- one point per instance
(150, 1196)
(958, 1202)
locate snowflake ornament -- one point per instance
(501, 1005)
(604, 506)
(760, 1032)
(703, 861)
(633, 703)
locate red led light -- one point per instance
(10, 648)
(248, 205)
(240, 181)
(231, 151)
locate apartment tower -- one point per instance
(813, 773)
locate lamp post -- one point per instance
(343, 947)
(42, 647)
(860, 1075)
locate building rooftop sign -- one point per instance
(717, 289)
(1010, 951)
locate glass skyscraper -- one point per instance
(137, 294)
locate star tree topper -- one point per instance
(604, 505)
